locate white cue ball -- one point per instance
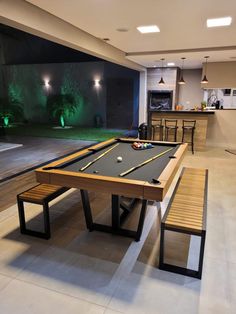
(119, 159)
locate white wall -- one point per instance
(221, 129)
(191, 94)
(220, 74)
(143, 97)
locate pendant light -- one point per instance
(205, 80)
(182, 81)
(161, 82)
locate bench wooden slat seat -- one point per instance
(40, 194)
(186, 213)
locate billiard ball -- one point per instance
(119, 159)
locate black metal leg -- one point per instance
(21, 213)
(141, 220)
(46, 220)
(201, 255)
(128, 207)
(87, 209)
(117, 219)
(161, 257)
(178, 269)
(115, 212)
(44, 235)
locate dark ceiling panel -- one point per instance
(19, 47)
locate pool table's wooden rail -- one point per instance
(113, 185)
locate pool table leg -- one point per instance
(141, 220)
(87, 209)
(117, 204)
(115, 201)
(117, 219)
(127, 208)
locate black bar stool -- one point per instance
(189, 128)
(171, 127)
(157, 126)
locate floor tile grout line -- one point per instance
(115, 311)
(135, 247)
(51, 246)
(11, 279)
(58, 292)
(132, 253)
(11, 215)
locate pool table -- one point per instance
(144, 174)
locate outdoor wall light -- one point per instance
(97, 83)
(46, 82)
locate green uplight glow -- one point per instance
(62, 120)
(6, 121)
(15, 93)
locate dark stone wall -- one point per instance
(117, 85)
(122, 96)
(28, 82)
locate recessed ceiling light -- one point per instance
(222, 21)
(170, 64)
(122, 29)
(148, 29)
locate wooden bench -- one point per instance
(186, 213)
(41, 194)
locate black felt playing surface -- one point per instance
(108, 165)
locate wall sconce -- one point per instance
(97, 83)
(46, 83)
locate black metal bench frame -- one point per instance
(46, 219)
(202, 235)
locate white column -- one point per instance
(143, 97)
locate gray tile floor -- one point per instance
(80, 272)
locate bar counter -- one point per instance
(195, 112)
(201, 118)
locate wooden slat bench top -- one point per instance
(42, 193)
(186, 209)
(186, 213)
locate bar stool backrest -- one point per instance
(157, 122)
(189, 124)
(171, 122)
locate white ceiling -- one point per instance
(182, 24)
